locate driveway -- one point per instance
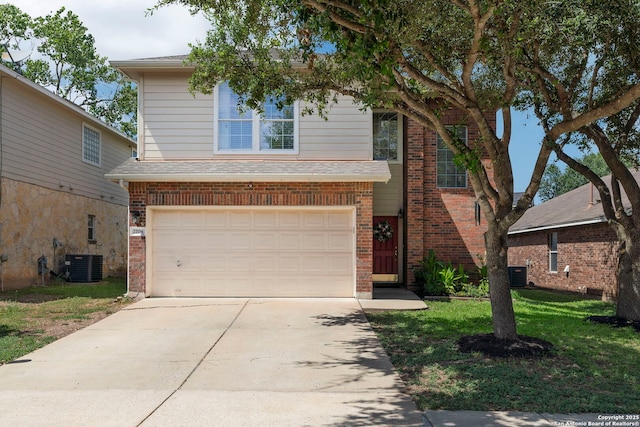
(212, 362)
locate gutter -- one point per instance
(208, 177)
(556, 226)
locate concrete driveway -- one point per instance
(212, 362)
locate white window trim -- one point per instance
(466, 175)
(91, 228)
(255, 132)
(400, 148)
(84, 125)
(553, 251)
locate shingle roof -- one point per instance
(251, 170)
(578, 206)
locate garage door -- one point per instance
(252, 253)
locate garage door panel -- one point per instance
(339, 242)
(259, 253)
(237, 241)
(265, 241)
(265, 219)
(340, 263)
(264, 263)
(240, 219)
(290, 241)
(317, 220)
(290, 220)
(338, 221)
(215, 219)
(314, 241)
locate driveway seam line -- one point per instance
(195, 367)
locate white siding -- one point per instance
(42, 145)
(179, 125)
(387, 197)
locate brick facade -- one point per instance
(590, 251)
(441, 219)
(358, 195)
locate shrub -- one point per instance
(440, 279)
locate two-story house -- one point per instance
(225, 203)
(54, 199)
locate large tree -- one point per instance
(416, 58)
(601, 64)
(69, 64)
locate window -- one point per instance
(387, 134)
(553, 252)
(450, 175)
(90, 145)
(91, 228)
(235, 130)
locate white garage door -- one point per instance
(252, 253)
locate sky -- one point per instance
(123, 30)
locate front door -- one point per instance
(385, 248)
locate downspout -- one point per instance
(3, 257)
(124, 185)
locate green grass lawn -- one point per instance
(595, 367)
(33, 317)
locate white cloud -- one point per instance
(123, 29)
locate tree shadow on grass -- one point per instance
(575, 379)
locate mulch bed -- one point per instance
(487, 344)
(615, 321)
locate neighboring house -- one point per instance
(224, 204)
(54, 199)
(567, 244)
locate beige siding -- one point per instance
(346, 134)
(387, 197)
(179, 125)
(42, 145)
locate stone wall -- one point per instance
(31, 217)
(590, 251)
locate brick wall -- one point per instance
(590, 251)
(442, 219)
(359, 195)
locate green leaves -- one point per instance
(70, 66)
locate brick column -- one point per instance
(136, 282)
(364, 240)
(414, 212)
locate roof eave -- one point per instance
(561, 225)
(246, 178)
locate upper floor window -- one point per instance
(387, 134)
(450, 175)
(275, 130)
(90, 145)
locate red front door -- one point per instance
(385, 245)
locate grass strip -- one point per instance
(594, 368)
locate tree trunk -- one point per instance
(504, 318)
(629, 281)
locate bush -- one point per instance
(438, 278)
